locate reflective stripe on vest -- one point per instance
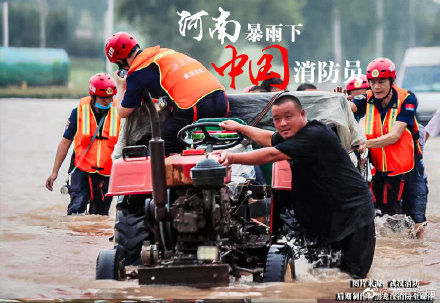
(86, 118)
(114, 122)
(397, 158)
(183, 78)
(98, 158)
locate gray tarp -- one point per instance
(330, 108)
(136, 128)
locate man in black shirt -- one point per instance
(330, 198)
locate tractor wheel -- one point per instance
(131, 231)
(109, 266)
(280, 266)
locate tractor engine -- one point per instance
(201, 215)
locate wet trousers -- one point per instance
(89, 189)
(358, 251)
(415, 193)
(387, 193)
(214, 105)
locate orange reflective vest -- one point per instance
(396, 158)
(183, 78)
(98, 158)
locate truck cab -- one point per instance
(420, 74)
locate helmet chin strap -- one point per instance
(94, 101)
(124, 64)
(389, 92)
(125, 61)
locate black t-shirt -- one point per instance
(330, 197)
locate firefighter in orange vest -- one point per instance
(193, 91)
(356, 85)
(94, 128)
(392, 137)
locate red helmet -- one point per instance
(102, 85)
(357, 82)
(381, 68)
(119, 46)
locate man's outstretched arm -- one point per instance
(261, 136)
(256, 157)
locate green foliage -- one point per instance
(82, 69)
(428, 24)
(158, 21)
(85, 47)
(359, 22)
(57, 31)
(77, 26)
(23, 31)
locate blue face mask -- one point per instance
(102, 107)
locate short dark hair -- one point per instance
(305, 86)
(268, 83)
(255, 87)
(288, 98)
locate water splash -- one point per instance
(396, 226)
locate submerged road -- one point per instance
(45, 254)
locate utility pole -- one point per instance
(5, 24)
(379, 29)
(108, 31)
(43, 16)
(337, 49)
(412, 27)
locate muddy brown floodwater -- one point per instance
(45, 254)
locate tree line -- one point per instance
(78, 26)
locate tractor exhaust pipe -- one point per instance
(157, 150)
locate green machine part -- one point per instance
(266, 168)
(33, 66)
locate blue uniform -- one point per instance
(146, 78)
(415, 192)
(86, 188)
(212, 105)
(406, 114)
(71, 125)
